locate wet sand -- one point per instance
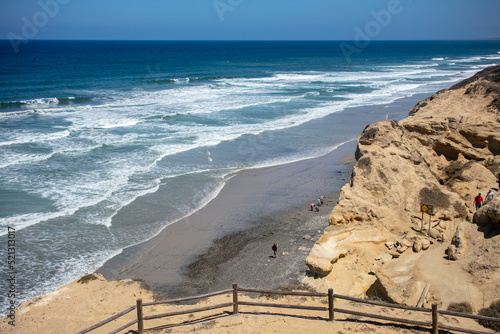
(229, 240)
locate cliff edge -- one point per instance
(379, 242)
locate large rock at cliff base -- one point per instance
(324, 253)
(396, 282)
(489, 213)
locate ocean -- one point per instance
(104, 143)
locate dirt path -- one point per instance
(448, 281)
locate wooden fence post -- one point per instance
(140, 318)
(435, 323)
(330, 305)
(235, 298)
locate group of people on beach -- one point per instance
(313, 207)
(478, 200)
(316, 206)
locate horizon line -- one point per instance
(252, 40)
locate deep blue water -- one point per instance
(104, 143)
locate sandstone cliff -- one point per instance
(443, 154)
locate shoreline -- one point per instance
(246, 202)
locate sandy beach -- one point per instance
(229, 240)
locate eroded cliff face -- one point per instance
(443, 154)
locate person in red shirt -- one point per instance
(275, 249)
(478, 201)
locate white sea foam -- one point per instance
(23, 137)
(49, 100)
(130, 112)
(12, 158)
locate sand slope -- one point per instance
(77, 306)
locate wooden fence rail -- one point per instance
(104, 322)
(433, 322)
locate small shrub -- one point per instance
(209, 325)
(453, 168)
(463, 307)
(492, 311)
(143, 284)
(87, 278)
(158, 297)
(296, 287)
(270, 296)
(146, 286)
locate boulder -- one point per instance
(405, 243)
(488, 214)
(394, 254)
(324, 254)
(319, 265)
(398, 282)
(417, 245)
(401, 249)
(425, 244)
(434, 233)
(384, 257)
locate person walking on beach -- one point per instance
(319, 202)
(275, 249)
(321, 199)
(478, 201)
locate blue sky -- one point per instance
(249, 19)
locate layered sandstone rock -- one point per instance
(443, 154)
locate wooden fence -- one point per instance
(331, 309)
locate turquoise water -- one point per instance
(102, 144)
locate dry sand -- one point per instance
(77, 306)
